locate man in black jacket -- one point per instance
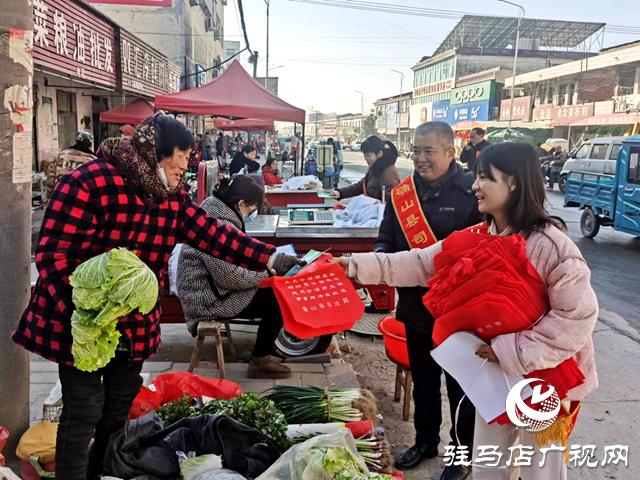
(476, 144)
(449, 204)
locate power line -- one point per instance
(387, 8)
(244, 27)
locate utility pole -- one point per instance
(521, 14)
(16, 156)
(255, 64)
(399, 100)
(266, 82)
(361, 102)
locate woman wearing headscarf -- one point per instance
(132, 197)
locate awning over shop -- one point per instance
(233, 94)
(466, 125)
(246, 125)
(132, 113)
(607, 119)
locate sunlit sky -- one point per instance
(330, 52)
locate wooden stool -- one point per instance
(209, 329)
(404, 381)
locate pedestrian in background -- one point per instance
(271, 172)
(132, 198)
(381, 159)
(510, 192)
(474, 146)
(439, 191)
(207, 141)
(244, 159)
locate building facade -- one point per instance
(392, 119)
(85, 64)
(463, 82)
(580, 100)
(190, 33)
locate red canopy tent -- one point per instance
(246, 125)
(132, 113)
(233, 94)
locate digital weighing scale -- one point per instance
(311, 216)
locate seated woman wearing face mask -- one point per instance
(209, 288)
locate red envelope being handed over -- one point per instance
(319, 300)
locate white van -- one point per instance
(598, 155)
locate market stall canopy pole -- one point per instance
(233, 94)
(132, 113)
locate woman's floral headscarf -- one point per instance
(135, 158)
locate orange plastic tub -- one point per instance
(395, 341)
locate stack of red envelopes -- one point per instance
(486, 285)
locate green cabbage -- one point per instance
(106, 288)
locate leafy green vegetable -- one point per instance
(106, 288)
(175, 411)
(249, 409)
(335, 463)
(261, 415)
(93, 273)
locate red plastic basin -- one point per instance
(395, 341)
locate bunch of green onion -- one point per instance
(315, 405)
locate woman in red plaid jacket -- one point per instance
(132, 197)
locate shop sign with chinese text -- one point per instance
(562, 115)
(476, 92)
(73, 40)
(521, 109)
(144, 70)
(434, 88)
(137, 3)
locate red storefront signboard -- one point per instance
(562, 115)
(521, 109)
(432, 89)
(145, 71)
(73, 40)
(139, 3)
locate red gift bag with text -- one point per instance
(319, 300)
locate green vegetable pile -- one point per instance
(315, 405)
(249, 409)
(373, 448)
(175, 411)
(106, 288)
(336, 463)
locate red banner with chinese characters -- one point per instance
(74, 40)
(562, 115)
(139, 3)
(414, 224)
(319, 300)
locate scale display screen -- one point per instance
(311, 217)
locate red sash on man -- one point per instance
(414, 224)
